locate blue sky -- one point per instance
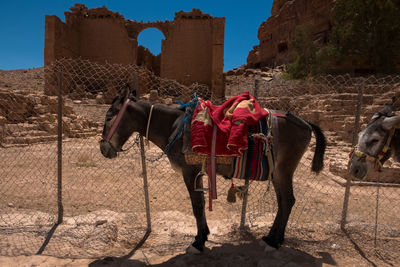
(22, 25)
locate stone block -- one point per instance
(49, 100)
(110, 93)
(15, 117)
(40, 109)
(100, 99)
(48, 127)
(153, 97)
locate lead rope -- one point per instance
(148, 126)
(212, 169)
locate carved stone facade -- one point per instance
(275, 33)
(192, 51)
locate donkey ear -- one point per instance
(391, 122)
(124, 93)
(133, 95)
(387, 110)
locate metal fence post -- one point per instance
(376, 213)
(59, 147)
(354, 141)
(145, 184)
(144, 166)
(244, 205)
(246, 183)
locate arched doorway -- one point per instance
(149, 49)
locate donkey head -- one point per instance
(376, 143)
(118, 126)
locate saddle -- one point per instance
(236, 133)
(243, 136)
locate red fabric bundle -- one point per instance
(232, 119)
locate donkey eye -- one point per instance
(373, 142)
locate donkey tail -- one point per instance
(318, 159)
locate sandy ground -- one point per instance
(104, 216)
(105, 221)
(247, 252)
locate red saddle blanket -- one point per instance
(232, 119)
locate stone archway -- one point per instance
(147, 56)
(134, 28)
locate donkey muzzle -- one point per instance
(107, 149)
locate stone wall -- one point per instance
(148, 60)
(192, 51)
(275, 33)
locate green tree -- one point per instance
(368, 29)
(305, 52)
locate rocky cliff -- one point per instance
(275, 33)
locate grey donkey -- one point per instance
(379, 141)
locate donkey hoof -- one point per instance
(262, 243)
(269, 243)
(267, 248)
(193, 250)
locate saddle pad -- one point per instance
(253, 164)
(197, 159)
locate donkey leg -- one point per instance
(284, 193)
(198, 205)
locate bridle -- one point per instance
(376, 160)
(116, 122)
(114, 127)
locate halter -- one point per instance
(115, 125)
(375, 160)
(117, 120)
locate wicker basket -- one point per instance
(197, 159)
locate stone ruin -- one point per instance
(192, 51)
(27, 118)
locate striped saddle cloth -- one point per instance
(254, 164)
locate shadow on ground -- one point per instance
(247, 254)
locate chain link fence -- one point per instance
(342, 105)
(102, 202)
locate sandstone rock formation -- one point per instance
(275, 33)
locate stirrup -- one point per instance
(201, 174)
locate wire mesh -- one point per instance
(330, 102)
(104, 207)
